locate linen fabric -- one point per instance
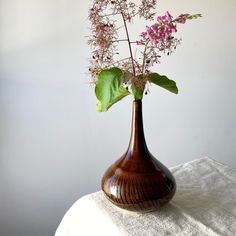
(204, 204)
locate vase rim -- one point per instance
(137, 101)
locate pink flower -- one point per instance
(140, 42)
(160, 32)
(104, 37)
(165, 19)
(181, 19)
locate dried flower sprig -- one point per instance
(147, 9)
(116, 77)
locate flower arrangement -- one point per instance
(114, 76)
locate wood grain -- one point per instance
(138, 181)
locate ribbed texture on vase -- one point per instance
(137, 191)
(138, 181)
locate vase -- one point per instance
(138, 181)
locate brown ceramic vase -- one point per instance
(138, 181)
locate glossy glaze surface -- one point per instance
(138, 181)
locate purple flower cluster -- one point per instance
(159, 38)
(160, 33)
(104, 39)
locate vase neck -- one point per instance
(137, 139)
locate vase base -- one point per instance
(143, 207)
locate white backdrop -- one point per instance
(54, 146)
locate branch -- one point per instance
(121, 60)
(137, 64)
(120, 27)
(144, 56)
(127, 34)
(112, 14)
(119, 40)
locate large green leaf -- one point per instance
(109, 88)
(163, 82)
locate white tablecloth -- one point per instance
(204, 204)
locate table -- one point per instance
(204, 204)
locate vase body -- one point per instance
(138, 181)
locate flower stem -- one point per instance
(121, 60)
(144, 56)
(119, 40)
(120, 27)
(129, 42)
(137, 65)
(112, 14)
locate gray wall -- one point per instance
(54, 146)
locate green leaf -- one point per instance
(109, 88)
(163, 82)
